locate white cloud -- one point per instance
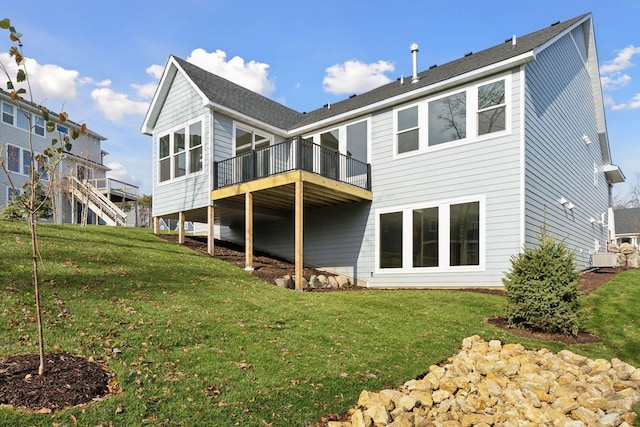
(615, 81)
(155, 71)
(356, 77)
(115, 105)
(48, 82)
(119, 172)
(145, 91)
(620, 62)
(252, 75)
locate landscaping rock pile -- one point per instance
(320, 281)
(495, 384)
(628, 255)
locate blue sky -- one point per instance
(101, 63)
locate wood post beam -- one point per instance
(181, 228)
(156, 225)
(299, 205)
(248, 231)
(210, 231)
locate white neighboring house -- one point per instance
(433, 180)
(80, 179)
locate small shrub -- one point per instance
(542, 287)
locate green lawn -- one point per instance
(185, 324)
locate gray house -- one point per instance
(79, 183)
(433, 180)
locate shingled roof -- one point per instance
(245, 101)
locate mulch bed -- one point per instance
(67, 381)
(74, 380)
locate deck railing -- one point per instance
(116, 189)
(290, 155)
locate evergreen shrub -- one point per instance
(542, 287)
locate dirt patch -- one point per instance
(265, 266)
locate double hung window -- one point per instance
(180, 152)
(491, 108)
(408, 130)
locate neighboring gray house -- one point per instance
(80, 177)
(627, 226)
(433, 180)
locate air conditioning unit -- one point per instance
(602, 260)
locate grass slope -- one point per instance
(194, 341)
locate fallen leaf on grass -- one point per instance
(243, 365)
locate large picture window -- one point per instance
(442, 236)
(391, 240)
(464, 234)
(448, 119)
(425, 237)
(180, 152)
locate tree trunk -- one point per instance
(36, 285)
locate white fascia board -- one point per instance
(551, 41)
(236, 115)
(408, 96)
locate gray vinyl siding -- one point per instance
(333, 237)
(223, 134)
(183, 104)
(560, 109)
(488, 169)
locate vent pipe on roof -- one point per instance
(513, 41)
(414, 52)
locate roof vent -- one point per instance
(352, 96)
(414, 52)
(555, 23)
(514, 41)
(433, 66)
(468, 54)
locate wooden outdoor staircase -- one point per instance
(92, 197)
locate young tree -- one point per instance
(18, 87)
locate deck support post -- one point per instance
(299, 204)
(248, 231)
(156, 225)
(210, 231)
(181, 227)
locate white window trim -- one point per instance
(342, 135)
(471, 122)
(251, 129)
(443, 243)
(171, 131)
